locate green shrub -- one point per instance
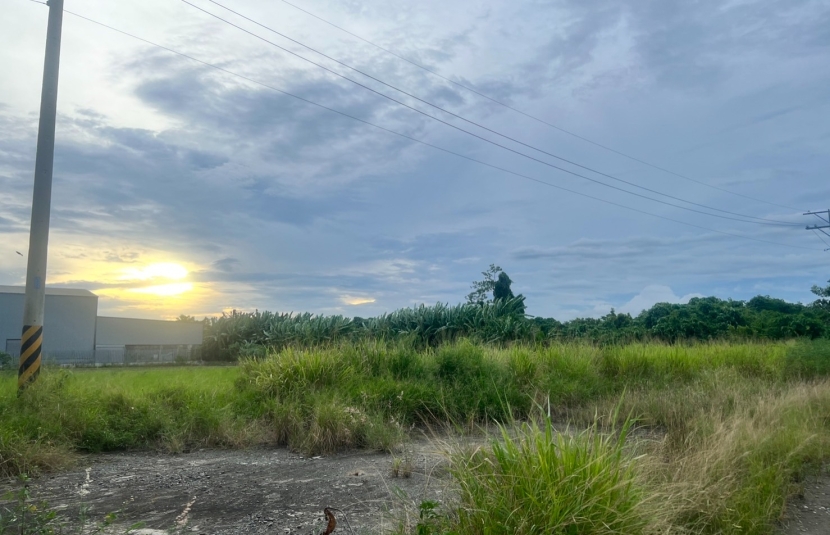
(543, 482)
(7, 362)
(808, 359)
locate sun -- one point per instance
(158, 277)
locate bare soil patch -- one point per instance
(809, 513)
(252, 491)
(276, 491)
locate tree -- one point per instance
(481, 288)
(501, 290)
(496, 281)
(187, 319)
(821, 292)
(824, 295)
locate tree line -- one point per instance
(493, 314)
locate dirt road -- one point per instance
(254, 491)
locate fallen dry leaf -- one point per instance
(332, 522)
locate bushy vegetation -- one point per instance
(556, 482)
(732, 451)
(250, 334)
(503, 320)
(732, 427)
(704, 318)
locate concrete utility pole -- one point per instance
(32, 339)
(824, 219)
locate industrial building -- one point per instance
(69, 321)
(73, 333)
(140, 341)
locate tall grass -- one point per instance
(242, 334)
(537, 481)
(733, 426)
(731, 470)
(92, 411)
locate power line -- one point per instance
(542, 121)
(825, 220)
(405, 136)
(822, 239)
(760, 220)
(462, 118)
(821, 228)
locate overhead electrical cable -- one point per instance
(542, 121)
(821, 238)
(759, 220)
(416, 140)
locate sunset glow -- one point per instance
(164, 270)
(165, 290)
(354, 301)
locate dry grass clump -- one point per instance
(733, 471)
(325, 425)
(21, 456)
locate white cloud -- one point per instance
(651, 295)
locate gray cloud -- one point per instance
(282, 205)
(225, 264)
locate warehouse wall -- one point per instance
(69, 323)
(73, 334)
(129, 331)
(137, 341)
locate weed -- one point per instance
(733, 427)
(431, 521)
(402, 466)
(539, 481)
(24, 517)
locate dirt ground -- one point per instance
(254, 491)
(275, 491)
(809, 514)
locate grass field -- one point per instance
(709, 438)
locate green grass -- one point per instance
(105, 410)
(537, 481)
(733, 427)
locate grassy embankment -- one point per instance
(739, 425)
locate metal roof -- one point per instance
(49, 291)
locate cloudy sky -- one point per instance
(181, 188)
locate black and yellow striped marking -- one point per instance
(30, 349)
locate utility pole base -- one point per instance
(30, 353)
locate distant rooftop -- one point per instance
(49, 291)
(146, 321)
